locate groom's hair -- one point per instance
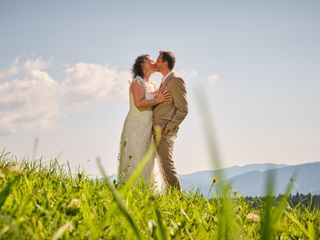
(168, 57)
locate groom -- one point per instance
(169, 114)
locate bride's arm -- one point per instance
(139, 100)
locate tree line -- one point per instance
(297, 200)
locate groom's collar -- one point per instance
(166, 76)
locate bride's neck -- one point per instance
(147, 76)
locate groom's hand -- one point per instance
(165, 131)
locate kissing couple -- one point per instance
(151, 108)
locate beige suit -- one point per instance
(169, 115)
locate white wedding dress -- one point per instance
(136, 138)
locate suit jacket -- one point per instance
(171, 113)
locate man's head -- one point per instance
(165, 61)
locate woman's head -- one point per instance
(143, 65)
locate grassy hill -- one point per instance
(46, 202)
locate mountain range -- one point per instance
(250, 180)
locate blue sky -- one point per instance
(65, 65)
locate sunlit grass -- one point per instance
(44, 202)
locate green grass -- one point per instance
(45, 202)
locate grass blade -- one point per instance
(162, 228)
(6, 191)
(120, 202)
(227, 226)
(61, 231)
(300, 226)
(284, 201)
(267, 226)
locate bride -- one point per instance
(137, 135)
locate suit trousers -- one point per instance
(165, 152)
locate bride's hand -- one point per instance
(162, 96)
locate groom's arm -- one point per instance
(179, 95)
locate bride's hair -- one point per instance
(137, 68)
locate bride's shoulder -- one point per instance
(137, 80)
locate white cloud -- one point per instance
(11, 71)
(28, 100)
(87, 82)
(188, 74)
(36, 64)
(213, 78)
(31, 98)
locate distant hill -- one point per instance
(250, 179)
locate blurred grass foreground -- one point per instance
(47, 202)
